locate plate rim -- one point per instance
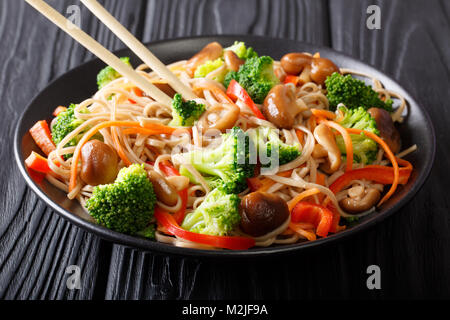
(162, 248)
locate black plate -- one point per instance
(80, 83)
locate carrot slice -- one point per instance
(119, 148)
(300, 135)
(308, 234)
(320, 179)
(145, 131)
(312, 123)
(347, 140)
(137, 91)
(323, 114)
(42, 136)
(292, 203)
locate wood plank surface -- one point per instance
(411, 248)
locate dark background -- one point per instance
(411, 247)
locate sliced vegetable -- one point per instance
(58, 110)
(227, 242)
(376, 173)
(37, 177)
(320, 179)
(137, 92)
(323, 114)
(216, 89)
(153, 127)
(389, 154)
(347, 141)
(256, 76)
(300, 135)
(310, 192)
(291, 79)
(42, 136)
(117, 145)
(301, 230)
(235, 91)
(37, 162)
(149, 131)
(335, 227)
(320, 216)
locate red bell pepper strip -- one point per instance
(316, 214)
(58, 110)
(379, 174)
(335, 227)
(37, 177)
(42, 136)
(169, 171)
(137, 92)
(37, 162)
(234, 243)
(291, 79)
(235, 92)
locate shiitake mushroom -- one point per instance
(262, 212)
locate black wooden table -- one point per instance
(412, 248)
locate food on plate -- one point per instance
(270, 152)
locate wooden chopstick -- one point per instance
(138, 48)
(101, 52)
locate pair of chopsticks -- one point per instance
(109, 58)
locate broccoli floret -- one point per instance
(185, 113)
(185, 172)
(228, 165)
(351, 221)
(210, 66)
(364, 149)
(127, 204)
(353, 93)
(242, 51)
(108, 74)
(217, 215)
(148, 232)
(358, 118)
(65, 123)
(269, 144)
(256, 76)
